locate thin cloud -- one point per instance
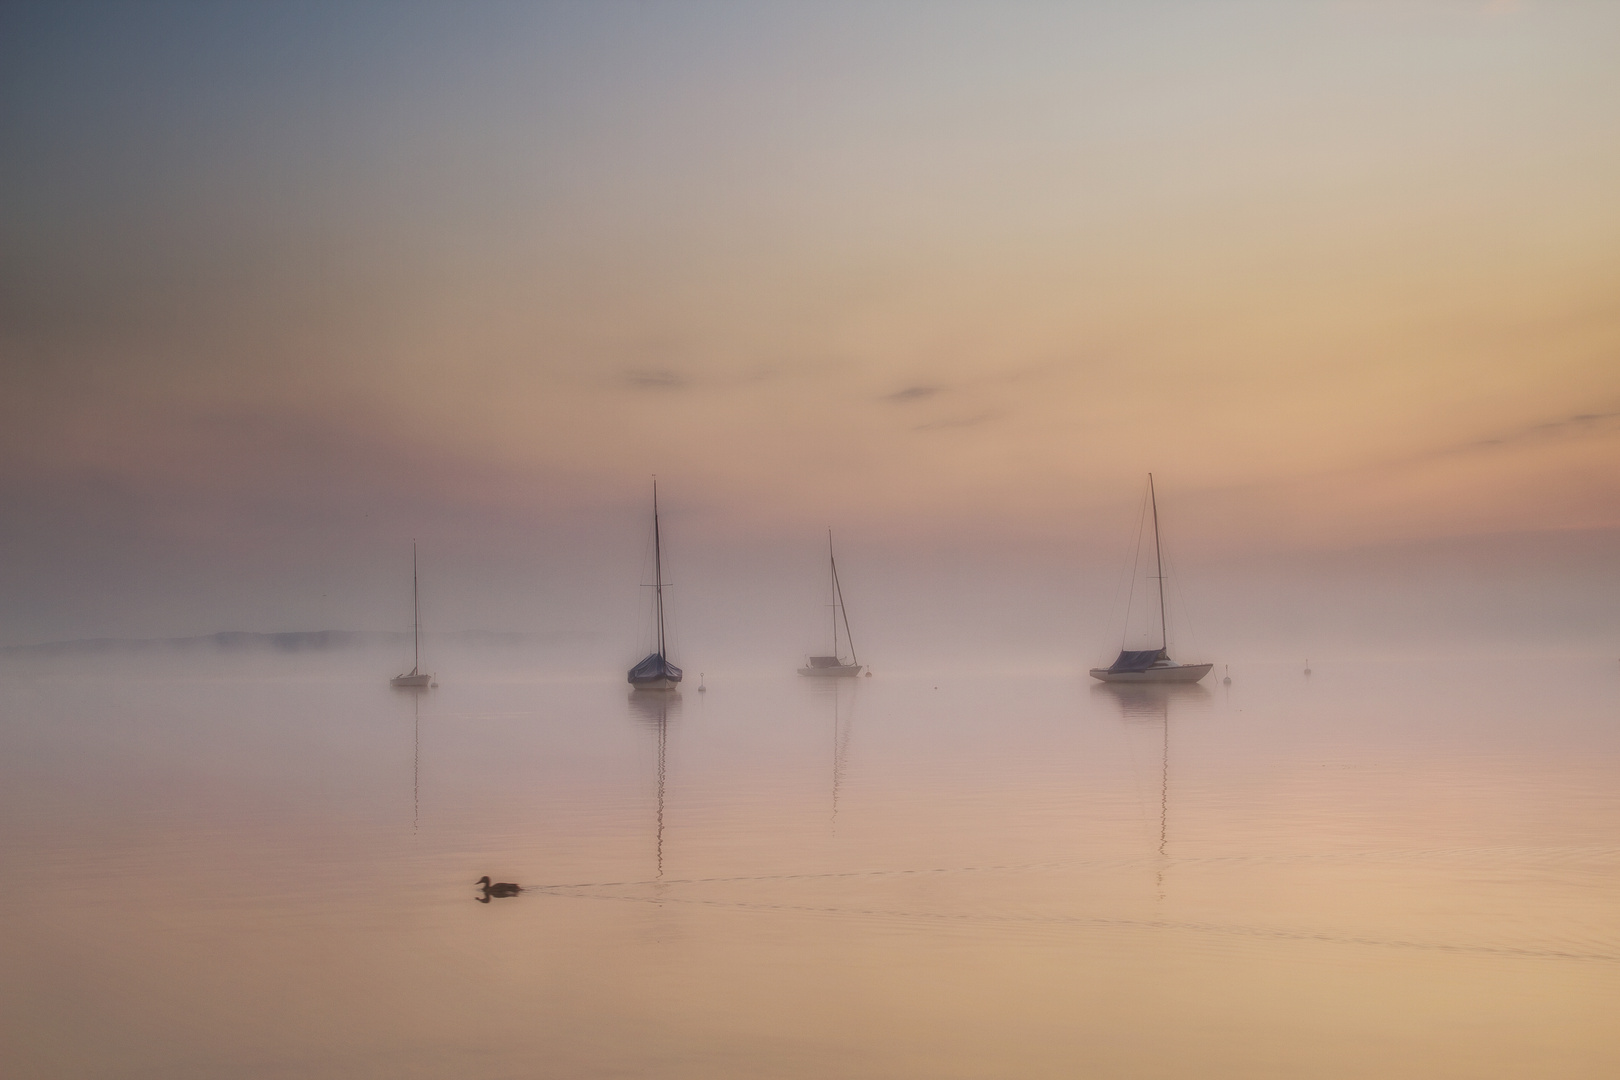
(1577, 425)
(657, 379)
(913, 393)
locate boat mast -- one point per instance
(838, 600)
(834, 565)
(658, 571)
(416, 617)
(1158, 559)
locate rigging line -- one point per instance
(634, 612)
(1136, 560)
(1158, 560)
(1172, 574)
(1120, 581)
(838, 594)
(833, 600)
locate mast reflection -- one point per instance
(835, 691)
(416, 694)
(416, 764)
(656, 710)
(1151, 703)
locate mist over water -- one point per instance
(263, 865)
(299, 300)
(966, 602)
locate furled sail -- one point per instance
(1138, 660)
(654, 667)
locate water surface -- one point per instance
(213, 866)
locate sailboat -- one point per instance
(835, 666)
(415, 679)
(655, 672)
(1152, 665)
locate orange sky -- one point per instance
(1337, 273)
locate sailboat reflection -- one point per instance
(416, 763)
(656, 711)
(842, 702)
(1150, 703)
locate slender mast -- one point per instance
(834, 565)
(838, 599)
(1158, 559)
(416, 617)
(658, 570)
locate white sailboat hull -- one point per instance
(841, 671)
(656, 684)
(414, 680)
(1165, 673)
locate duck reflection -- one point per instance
(656, 710)
(1151, 704)
(498, 890)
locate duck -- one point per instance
(500, 889)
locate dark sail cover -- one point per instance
(1137, 660)
(654, 667)
(826, 661)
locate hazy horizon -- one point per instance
(292, 290)
(284, 289)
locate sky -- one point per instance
(285, 286)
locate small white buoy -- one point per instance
(701, 688)
(1228, 680)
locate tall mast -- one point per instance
(416, 617)
(834, 565)
(1158, 559)
(838, 600)
(658, 570)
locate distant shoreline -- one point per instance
(288, 641)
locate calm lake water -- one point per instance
(218, 866)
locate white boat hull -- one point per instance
(1164, 673)
(413, 681)
(842, 671)
(656, 684)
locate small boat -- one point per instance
(1152, 665)
(415, 679)
(655, 672)
(834, 666)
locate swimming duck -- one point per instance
(499, 889)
